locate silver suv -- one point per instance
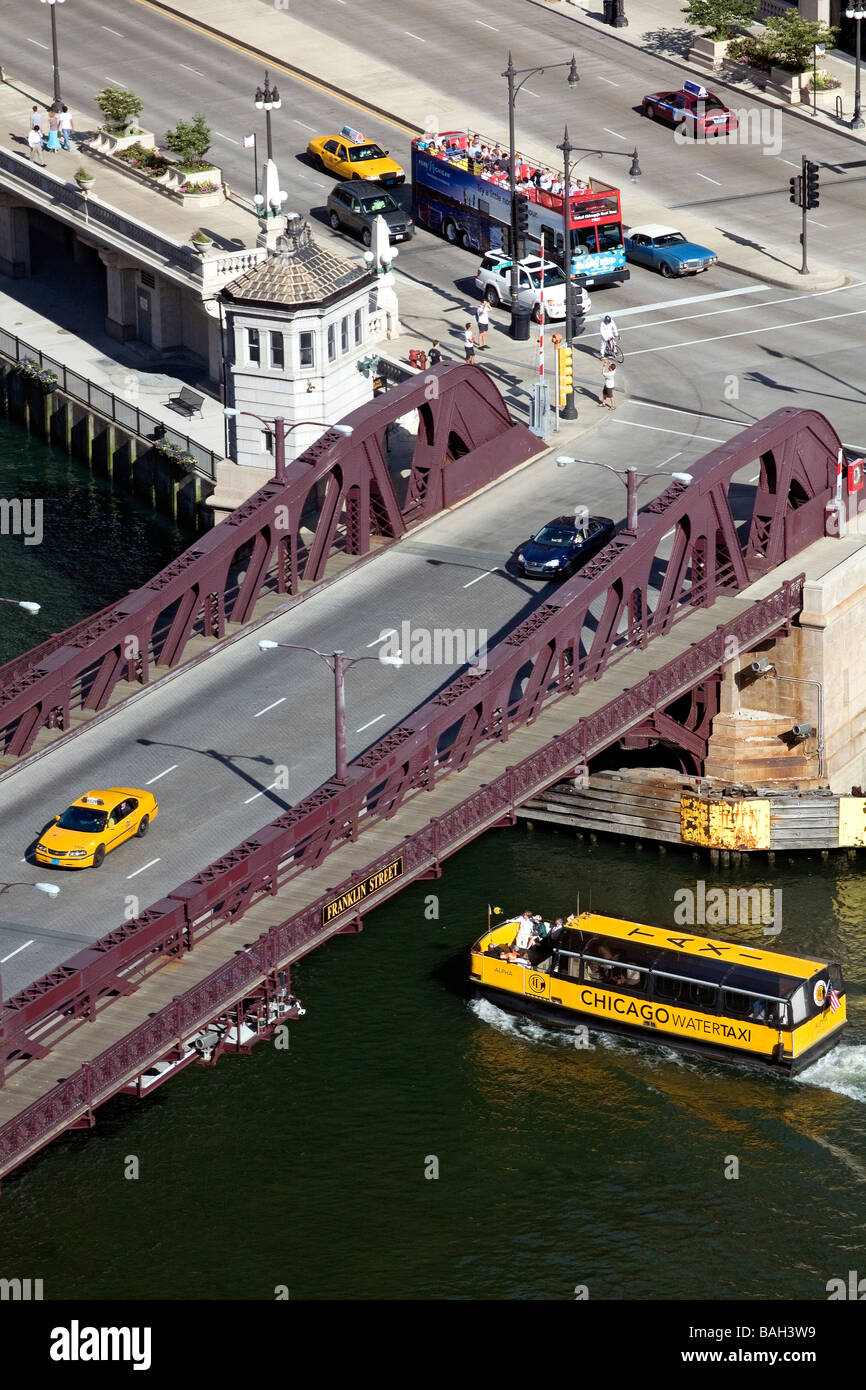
(493, 281)
(355, 206)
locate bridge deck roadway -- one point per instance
(121, 1016)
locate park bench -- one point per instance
(186, 401)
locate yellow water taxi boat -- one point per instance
(726, 999)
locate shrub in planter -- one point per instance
(119, 108)
(83, 175)
(720, 19)
(786, 42)
(190, 141)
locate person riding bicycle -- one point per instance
(609, 334)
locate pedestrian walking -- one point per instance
(434, 357)
(53, 141)
(34, 140)
(36, 119)
(608, 371)
(66, 129)
(482, 318)
(469, 344)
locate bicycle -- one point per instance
(611, 349)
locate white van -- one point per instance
(493, 282)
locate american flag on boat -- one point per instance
(833, 1000)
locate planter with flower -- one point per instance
(822, 90)
(174, 452)
(84, 179)
(41, 376)
(193, 178)
(201, 241)
(784, 52)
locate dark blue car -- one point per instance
(561, 547)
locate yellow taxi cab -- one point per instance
(350, 156)
(94, 825)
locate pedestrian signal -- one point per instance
(565, 357)
(522, 215)
(796, 184)
(812, 189)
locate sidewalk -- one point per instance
(659, 27)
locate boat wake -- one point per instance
(529, 1030)
(843, 1070)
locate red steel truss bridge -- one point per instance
(637, 640)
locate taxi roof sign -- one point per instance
(93, 801)
(351, 134)
(695, 89)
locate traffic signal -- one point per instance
(522, 215)
(565, 356)
(812, 190)
(796, 186)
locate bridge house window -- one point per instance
(278, 358)
(359, 326)
(254, 348)
(344, 334)
(307, 349)
(332, 342)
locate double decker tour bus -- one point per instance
(468, 202)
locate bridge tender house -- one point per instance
(362, 890)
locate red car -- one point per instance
(701, 111)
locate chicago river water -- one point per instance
(415, 1142)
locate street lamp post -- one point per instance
(632, 479)
(280, 431)
(58, 100)
(268, 99)
(856, 12)
(339, 664)
(25, 603)
(511, 72)
(569, 409)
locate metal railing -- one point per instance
(120, 412)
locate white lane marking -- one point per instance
(747, 332)
(791, 162)
(38, 44)
(414, 36)
(531, 94)
(678, 410)
(736, 309)
(189, 69)
(487, 26)
(615, 133)
(370, 725)
(149, 865)
(261, 793)
(478, 578)
(111, 31)
(608, 81)
(230, 139)
(114, 81)
(684, 433)
(383, 637)
(17, 949)
(676, 303)
(320, 183)
(813, 222)
(304, 124)
(670, 460)
(161, 774)
(267, 707)
(708, 179)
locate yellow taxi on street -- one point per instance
(94, 825)
(350, 156)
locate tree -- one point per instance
(119, 108)
(785, 43)
(720, 19)
(190, 141)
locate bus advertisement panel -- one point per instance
(469, 203)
